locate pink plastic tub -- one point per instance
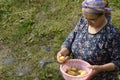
(77, 63)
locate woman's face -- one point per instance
(92, 19)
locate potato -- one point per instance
(69, 69)
(62, 58)
(74, 69)
(82, 72)
(71, 73)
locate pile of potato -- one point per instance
(76, 72)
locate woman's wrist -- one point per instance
(64, 51)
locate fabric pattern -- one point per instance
(97, 49)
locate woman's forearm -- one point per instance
(108, 67)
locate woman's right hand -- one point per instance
(62, 55)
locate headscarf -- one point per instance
(97, 7)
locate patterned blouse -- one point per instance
(97, 49)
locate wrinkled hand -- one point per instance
(95, 70)
(61, 53)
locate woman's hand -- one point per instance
(95, 70)
(99, 68)
(64, 54)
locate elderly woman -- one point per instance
(96, 40)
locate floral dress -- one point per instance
(97, 49)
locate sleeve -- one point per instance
(70, 38)
(115, 55)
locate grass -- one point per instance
(33, 30)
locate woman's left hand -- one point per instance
(95, 70)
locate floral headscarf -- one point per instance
(96, 6)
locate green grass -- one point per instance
(35, 29)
